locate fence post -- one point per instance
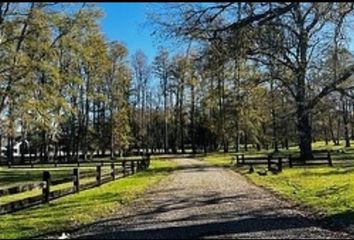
(243, 158)
(124, 169)
(280, 164)
(132, 166)
(290, 161)
(237, 160)
(76, 179)
(98, 174)
(46, 189)
(269, 162)
(102, 163)
(329, 159)
(113, 173)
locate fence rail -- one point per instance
(317, 160)
(117, 170)
(58, 164)
(276, 163)
(21, 188)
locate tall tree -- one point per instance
(162, 70)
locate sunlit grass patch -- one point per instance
(218, 159)
(329, 190)
(82, 208)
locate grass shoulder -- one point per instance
(328, 191)
(85, 207)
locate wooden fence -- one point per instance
(276, 163)
(317, 160)
(117, 170)
(273, 163)
(56, 163)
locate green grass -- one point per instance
(218, 159)
(329, 191)
(324, 189)
(82, 208)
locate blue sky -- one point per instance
(125, 22)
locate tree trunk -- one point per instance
(112, 137)
(304, 130)
(45, 147)
(346, 123)
(303, 123)
(275, 137)
(226, 146)
(246, 142)
(286, 143)
(331, 130)
(165, 116)
(86, 119)
(192, 120)
(9, 150)
(55, 156)
(338, 131)
(274, 123)
(326, 136)
(181, 120)
(258, 147)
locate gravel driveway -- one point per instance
(201, 201)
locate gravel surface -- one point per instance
(201, 201)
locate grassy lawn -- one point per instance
(324, 189)
(78, 209)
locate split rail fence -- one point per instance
(118, 170)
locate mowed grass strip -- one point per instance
(85, 207)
